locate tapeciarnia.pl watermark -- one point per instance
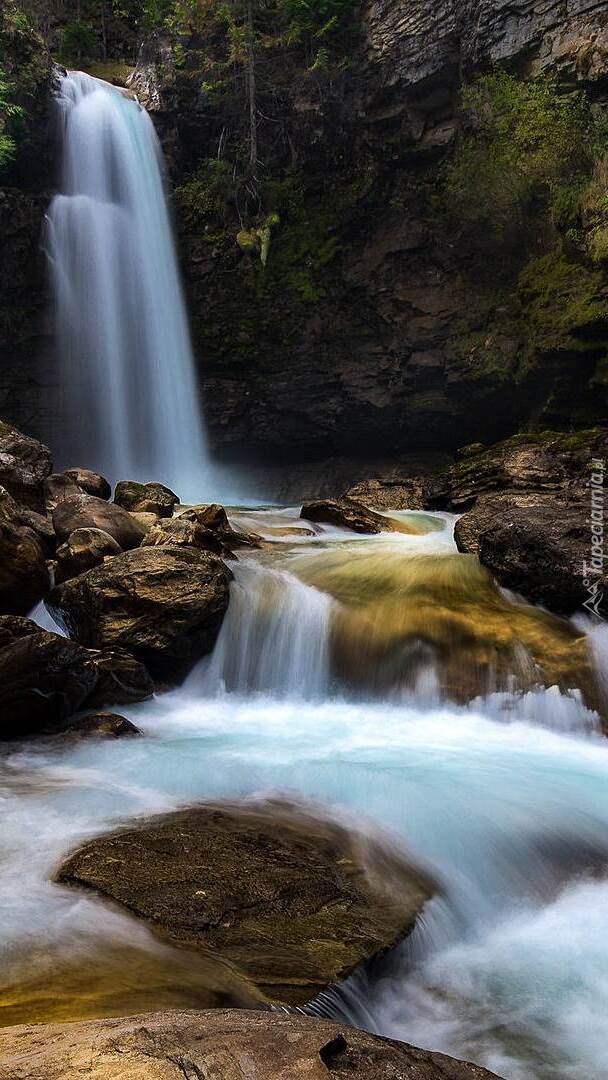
(593, 570)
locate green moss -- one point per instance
(112, 71)
(562, 305)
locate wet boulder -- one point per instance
(392, 492)
(181, 532)
(284, 898)
(84, 549)
(164, 605)
(18, 514)
(212, 516)
(45, 678)
(24, 465)
(92, 483)
(102, 725)
(230, 1044)
(88, 512)
(347, 513)
(146, 498)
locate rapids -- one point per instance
(129, 403)
(494, 775)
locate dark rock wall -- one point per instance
(350, 339)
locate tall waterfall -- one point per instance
(129, 398)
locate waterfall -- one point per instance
(128, 390)
(274, 640)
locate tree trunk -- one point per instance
(253, 112)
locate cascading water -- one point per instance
(129, 403)
(504, 798)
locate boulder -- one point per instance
(146, 520)
(90, 482)
(538, 546)
(84, 549)
(214, 517)
(181, 532)
(164, 605)
(88, 512)
(225, 1044)
(103, 726)
(347, 513)
(24, 465)
(146, 498)
(24, 576)
(72, 482)
(17, 513)
(283, 897)
(121, 679)
(45, 678)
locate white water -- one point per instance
(506, 800)
(129, 405)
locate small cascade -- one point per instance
(275, 638)
(129, 398)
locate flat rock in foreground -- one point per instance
(221, 1043)
(280, 895)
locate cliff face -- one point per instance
(372, 328)
(378, 324)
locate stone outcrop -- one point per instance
(164, 605)
(281, 896)
(232, 1045)
(531, 505)
(25, 464)
(73, 482)
(183, 532)
(24, 576)
(46, 678)
(348, 513)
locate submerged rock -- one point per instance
(24, 465)
(88, 512)
(103, 725)
(223, 1043)
(281, 896)
(347, 513)
(146, 498)
(45, 678)
(164, 605)
(84, 549)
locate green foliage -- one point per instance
(9, 111)
(527, 143)
(202, 199)
(78, 39)
(315, 18)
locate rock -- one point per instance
(164, 605)
(91, 483)
(529, 509)
(214, 517)
(146, 498)
(147, 521)
(24, 576)
(221, 1043)
(347, 513)
(103, 725)
(181, 532)
(45, 678)
(17, 514)
(71, 483)
(540, 547)
(24, 465)
(281, 896)
(89, 512)
(84, 549)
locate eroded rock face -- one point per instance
(146, 498)
(84, 549)
(164, 605)
(281, 896)
(229, 1044)
(89, 512)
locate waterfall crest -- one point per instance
(128, 390)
